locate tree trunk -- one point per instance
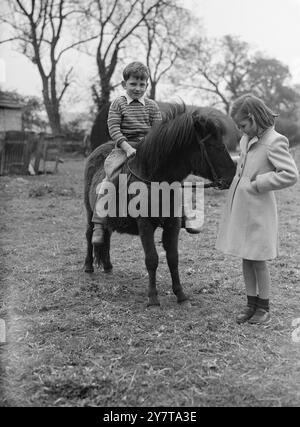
(105, 89)
(52, 109)
(105, 75)
(53, 116)
(152, 93)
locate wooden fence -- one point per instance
(19, 149)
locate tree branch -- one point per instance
(66, 84)
(74, 45)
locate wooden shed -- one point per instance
(10, 114)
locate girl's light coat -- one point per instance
(249, 224)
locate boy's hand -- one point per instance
(130, 153)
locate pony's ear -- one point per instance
(199, 122)
(208, 125)
(216, 126)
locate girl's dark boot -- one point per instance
(262, 313)
(248, 311)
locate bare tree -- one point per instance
(115, 21)
(37, 27)
(218, 67)
(226, 69)
(269, 79)
(162, 37)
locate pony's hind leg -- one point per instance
(102, 253)
(146, 232)
(170, 244)
(88, 264)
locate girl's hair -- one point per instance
(136, 69)
(247, 106)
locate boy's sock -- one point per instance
(193, 212)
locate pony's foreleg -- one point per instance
(170, 244)
(88, 264)
(105, 255)
(102, 253)
(146, 232)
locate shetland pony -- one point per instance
(186, 142)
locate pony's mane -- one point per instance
(172, 135)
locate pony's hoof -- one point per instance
(153, 303)
(182, 298)
(153, 306)
(185, 303)
(107, 266)
(89, 269)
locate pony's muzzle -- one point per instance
(224, 184)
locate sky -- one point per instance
(269, 26)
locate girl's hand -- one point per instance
(235, 159)
(254, 186)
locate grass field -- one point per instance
(89, 340)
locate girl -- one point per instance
(249, 226)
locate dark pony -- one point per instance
(231, 135)
(185, 142)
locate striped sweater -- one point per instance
(130, 120)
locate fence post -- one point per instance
(2, 152)
(2, 331)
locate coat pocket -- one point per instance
(250, 186)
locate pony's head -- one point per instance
(165, 153)
(213, 162)
(186, 141)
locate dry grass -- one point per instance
(89, 340)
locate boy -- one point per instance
(129, 119)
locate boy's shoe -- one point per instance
(245, 314)
(98, 234)
(260, 316)
(192, 227)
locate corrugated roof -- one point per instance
(7, 101)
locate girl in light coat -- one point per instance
(249, 226)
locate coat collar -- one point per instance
(247, 143)
(251, 142)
